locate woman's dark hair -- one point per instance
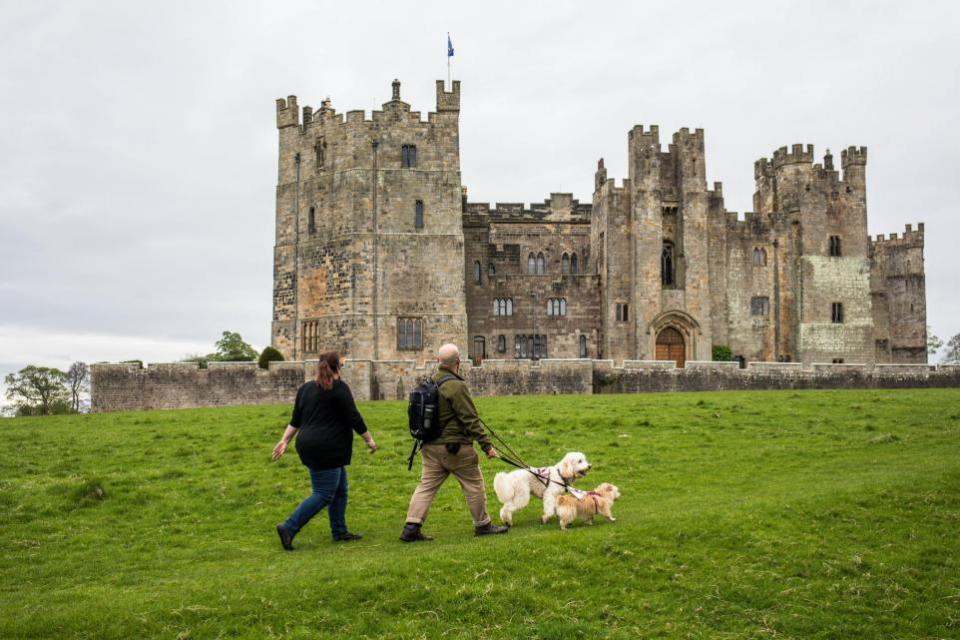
(329, 365)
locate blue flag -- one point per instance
(449, 47)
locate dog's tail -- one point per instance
(503, 487)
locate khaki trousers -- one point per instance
(437, 465)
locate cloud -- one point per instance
(139, 166)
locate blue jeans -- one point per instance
(329, 490)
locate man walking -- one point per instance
(452, 452)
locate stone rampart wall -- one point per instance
(126, 387)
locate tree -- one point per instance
(38, 390)
(722, 353)
(232, 348)
(933, 342)
(78, 381)
(953, 350)
(269, 355)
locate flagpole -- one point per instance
(449, 80)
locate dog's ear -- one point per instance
(565, 468)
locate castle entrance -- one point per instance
(670, 346)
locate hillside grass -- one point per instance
(814, 514)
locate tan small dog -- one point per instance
(599, 501)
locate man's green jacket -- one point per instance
(458, 415)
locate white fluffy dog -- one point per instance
(514, 488)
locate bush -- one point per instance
(722, 353)
(268, 355)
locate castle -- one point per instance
(380, 255)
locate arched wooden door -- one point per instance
(670, 346)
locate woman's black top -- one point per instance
(324, 421)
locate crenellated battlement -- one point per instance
(684, 139)
(648, 138)
(796, 155)
(853, 156)
(559, 207)
(909, 238)
(287, 115)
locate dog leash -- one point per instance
(519, 463)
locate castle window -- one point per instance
(557, 307)
(408, 156)
(623, 312)
(835, 246)
(312, 221)
(565, 264)
(491, 270)
(836, 313)
(759, 257)
(310, 336)
(574, 265)
(479, 347)
(476, 271)
(583, 346)
(532, 265)
(503, 307)
(666, 264)
(541, 264)
(418, 215)
(501, 344)
(760, 306)
(409, 334)
(838, 361)
(519, 347)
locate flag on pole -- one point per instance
(449, 47)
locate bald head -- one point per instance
(448, 355)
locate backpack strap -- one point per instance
(445, 378)
(416, 444)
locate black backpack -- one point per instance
(423, 413)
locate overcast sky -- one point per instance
(139, 146)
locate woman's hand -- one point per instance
(367, 438)
(279, 450)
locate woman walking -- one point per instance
(324, 415)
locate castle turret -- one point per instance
(365, 210)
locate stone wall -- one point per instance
(124, 387)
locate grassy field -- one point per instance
(829, 514)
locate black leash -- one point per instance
(522, 463)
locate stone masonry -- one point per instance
(129, 387)
(379, 254)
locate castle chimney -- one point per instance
(396, 89)
(828, 161)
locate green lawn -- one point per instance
(832, 514)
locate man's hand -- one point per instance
(279, 450)
(372, 445)
(492, 453)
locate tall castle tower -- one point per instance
(369, 240)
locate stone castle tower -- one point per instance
(380, 256)
(368, 224)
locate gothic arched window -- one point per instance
(583, 346)
(541, 264)
(574, 264)
(666, 265)
(531, 265)
(476, 271)
(565, 264)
